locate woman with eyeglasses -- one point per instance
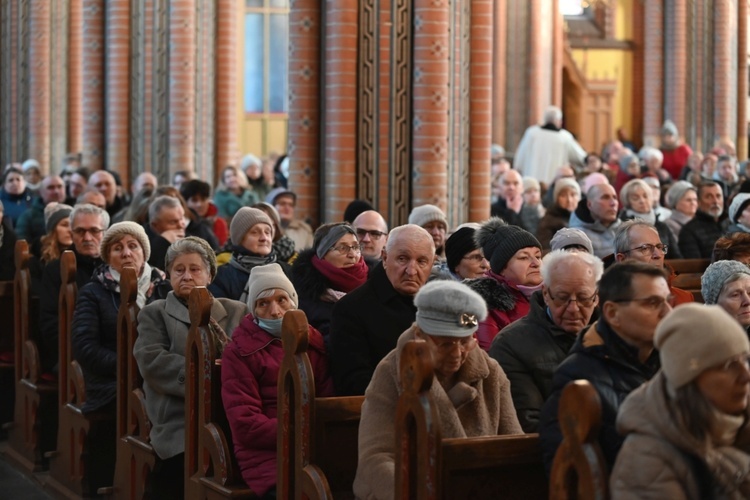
(726, 283)
(463, 256)
(637, 202)
(251, 232)
(323, 274)
(515, 273)
(686, 432)
(470, 390)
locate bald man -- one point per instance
(104, 182)
(372, 232)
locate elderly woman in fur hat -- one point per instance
(515, 273)
(159, 350)
(686, 429)
(470, 389)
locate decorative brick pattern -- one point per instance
(481, 109)
(118, 88)
(723, 81)
(206, 76)
(39, 82)
(654, 63)
(675, 78)
(93, 83)
(368, 101)
(536, 58)
(742, 84)
(226, 127)
(500, 16)
(304, 106)
(181, 87)
(75, 77)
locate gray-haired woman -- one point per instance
(160, 352)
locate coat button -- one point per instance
(181, 379)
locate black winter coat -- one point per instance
(7, 251)
(365, 326)
(613, 368)
(49, 296)
(529, 351)
(555, 219)
(94, 339)
(698, 236)
(311, 285)
(230, 281)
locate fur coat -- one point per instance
(505, 304)
(479, 404)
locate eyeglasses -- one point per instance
(374, 234)
(445, 346)
(654, 302)
(477, 257)
(81, 231)
(648, 249)
(345, 249)
(565, 300)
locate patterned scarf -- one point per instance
(220, 338)
(147, 280)
(245, 261)
(284, 248)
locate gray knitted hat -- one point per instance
(668, 128)
(268, 277)
(739, 203)
(570, 236)
(565, 183)
(500, 242)
(449, 308)
(716, 275)
(117, 231)
(676, 192)
(244, 220)
(424, 214)
(54, 213)
(695, 337)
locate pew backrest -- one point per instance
(68, 376)
(26, 354)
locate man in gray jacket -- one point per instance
(597, 217)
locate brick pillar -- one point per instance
(93, 83)
(500, 16)
(675, 81)
(536, 60)
(653, 88)
(430, 127)
(39, 82)
(742, 12)
(557, 56)
(723, 71)
(340, 96)
(304, 106)
(226, 83)
(118, 88)
(75, 77)
(480, 120)
(181, 86)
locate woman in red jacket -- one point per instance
(250, 372)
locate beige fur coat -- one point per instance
(479, 404)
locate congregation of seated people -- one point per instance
(571, 279)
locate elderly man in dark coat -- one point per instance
(366, 323)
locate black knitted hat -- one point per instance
(500, 242)
(459, 244)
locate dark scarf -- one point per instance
(344, 279)
(220, 337)
(284, 248)
(245, 261)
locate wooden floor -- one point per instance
(15, 485)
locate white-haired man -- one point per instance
(544, 148)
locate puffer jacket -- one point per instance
(697, 237)
(529, 351)
(612, 366)
(311, 285)
(505, 304)
(602, 237)
(94, 337)
(478, 404)
(662, 459)
(249, 380)
(230, 281)
(163, 328)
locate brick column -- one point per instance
(653, 88)
(431, 94)
(500, 13)
(675, 81)
(557, 56)
(75, 77)
(535, 61)
(181, 86)
(480, 120)
(118, 88)
(226, 83)
(304, 106)
(39, 82)
(723, 71)
(93, 83)
(742, 12)
(340, 96)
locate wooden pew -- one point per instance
(579, 470)
(35, 414)
(7, 362)
(689, 272)
(429, 467)
(317, 443)
(211, 470)
(136, 458)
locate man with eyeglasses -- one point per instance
(616, 354)
(87, 225)
(531, 348)
(639, 240)
(372, 232)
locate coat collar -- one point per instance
(175, 308)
